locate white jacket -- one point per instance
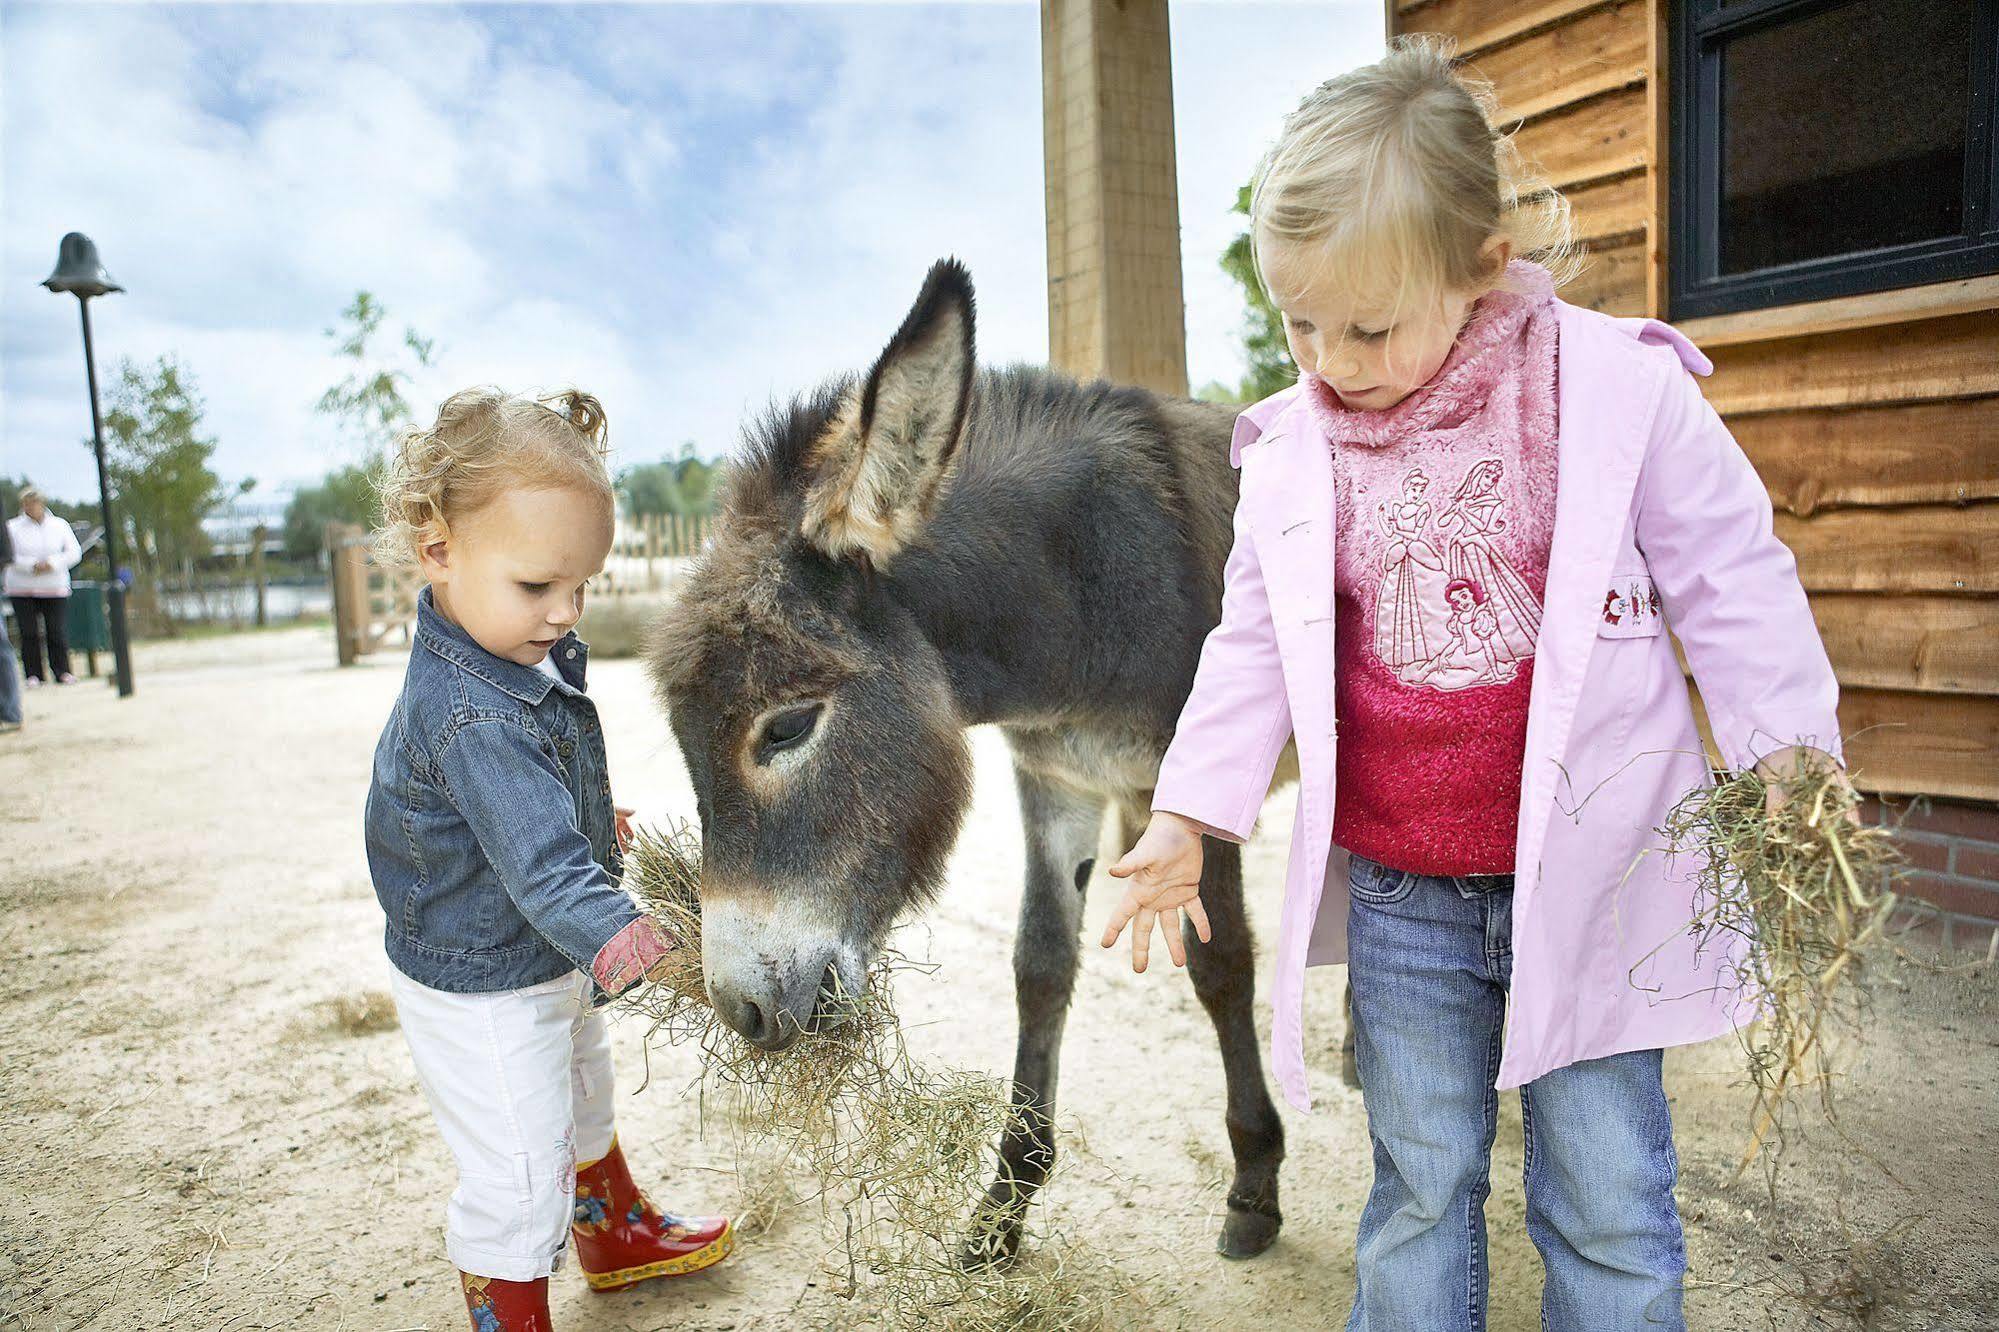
(51, 539)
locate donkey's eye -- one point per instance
(787, 729)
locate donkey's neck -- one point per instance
(1057, 578)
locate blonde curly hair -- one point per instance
(486, 441)
(1396, 174)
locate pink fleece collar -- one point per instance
(1487, 347)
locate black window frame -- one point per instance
(1695, 284)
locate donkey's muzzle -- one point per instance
(773, 976)
(772, 1024)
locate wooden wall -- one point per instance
(1874, 419)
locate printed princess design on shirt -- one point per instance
(1462, 617)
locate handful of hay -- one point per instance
(900, 1147)
(1802, 887)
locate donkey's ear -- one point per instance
(878, 469)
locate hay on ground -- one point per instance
(899, 1149)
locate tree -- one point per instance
(650, 490)
(370, 407)
(1264, 347)
(696, 479)
(683, 486)
(369, 402)
(158, 461)
(344, 495)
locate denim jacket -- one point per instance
(490, 828)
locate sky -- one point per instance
(687, 210)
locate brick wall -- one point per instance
(1953, 852)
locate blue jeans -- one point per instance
(1431, 959)
(10, 679)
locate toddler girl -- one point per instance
(1428, 525)
(496, 853)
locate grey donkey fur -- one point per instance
(905, 554)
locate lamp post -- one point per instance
(79, 272)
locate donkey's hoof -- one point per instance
(1246, 1234)
(990, 1249)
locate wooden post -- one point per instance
(257, 536)
(1115, 306)
(347, 549)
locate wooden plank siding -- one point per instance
(1480, 24)
(1598, 52)
(1925, 361)
(1611, 211)
(1874, 424)
(1944, 452)
(1905, 743)
(1572, 77)
(1946, 645)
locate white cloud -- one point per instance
(686, 211)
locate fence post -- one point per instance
(348, 570)
(257, 571)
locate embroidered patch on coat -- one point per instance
(1631, 608)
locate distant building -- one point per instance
(233, 525)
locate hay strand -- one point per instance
(1798, 888)
(899, 1149)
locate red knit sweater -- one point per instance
(1446, 509)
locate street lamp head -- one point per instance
(78, 269)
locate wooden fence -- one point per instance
(649, 553)
(369, 602)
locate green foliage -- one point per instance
(650, 490)
(370, 406)
(369, 402)
(1269, 357)
(684, 486)
(158, 460)
(344, 495)
(82, 511)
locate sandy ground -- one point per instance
(197, 1135)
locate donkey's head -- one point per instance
(816, 720)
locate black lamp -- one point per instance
(81, 273)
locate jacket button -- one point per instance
(569, 653)
(565, 748)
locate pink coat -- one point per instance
(1656, 510)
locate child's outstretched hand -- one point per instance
(1165, 873)
(623, 826)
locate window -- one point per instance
(1826, 148)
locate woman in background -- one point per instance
(37, 579)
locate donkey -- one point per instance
(905, 554)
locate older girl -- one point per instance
(1472, 843)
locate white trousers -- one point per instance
(520, 1085)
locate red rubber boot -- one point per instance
(506, 1306)
(623, 1239)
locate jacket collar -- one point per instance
(526, 683)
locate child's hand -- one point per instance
(1165, 873)
(1780, 770)
(623, 825)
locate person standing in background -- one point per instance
(37, 580)
(10, 679)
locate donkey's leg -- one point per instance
(1062, 828)
(1225, 978)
